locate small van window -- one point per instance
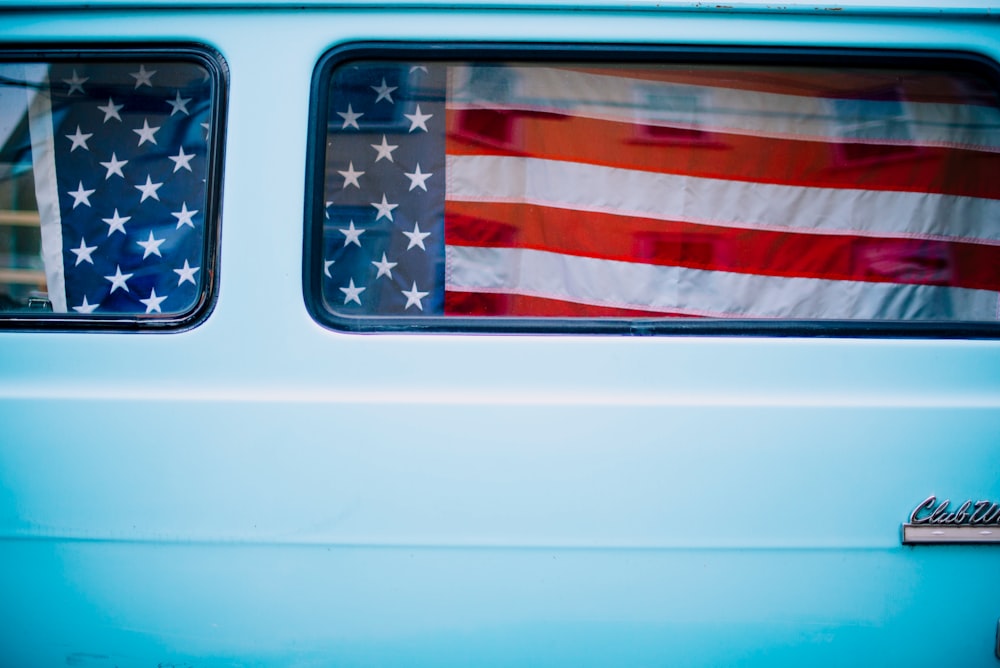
(107, 187)
(490, 191)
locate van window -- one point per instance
(481, 192)
(107, 180)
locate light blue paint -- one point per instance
(260, 491)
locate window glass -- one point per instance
(105, 166)
(472, 189)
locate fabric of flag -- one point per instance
(120, 162)
(705, 191)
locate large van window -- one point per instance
(483, 192)
(107, 178)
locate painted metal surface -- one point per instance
(262, 491)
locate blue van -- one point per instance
(603, 333)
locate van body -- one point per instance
(264, 481)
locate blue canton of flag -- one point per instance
(383, 238)
(128, 156)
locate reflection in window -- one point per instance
(103, 171)
(587, 191)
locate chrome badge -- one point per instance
(972, 522)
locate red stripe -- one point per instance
(488, 304)
(725, 156)
(862, 84)
(825, 256)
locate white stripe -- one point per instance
(727, 110)
(726, 203)
(43, 156)
(631, 285)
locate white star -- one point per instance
(352, 235)
(114, 166)
(149, 190)
(413, 297)
(118, 280)
(416, 237)
(75, 83)
(384, 267)
(143, 77)
(351, 176)
(418, 68)
(418, 179)
(384, 149)
(79, 140)
(350, 118)
(111, 110)
(151, 246)
(384, 209)
(81, 196)
(207, 128)
(116, 223)
(384, 92)
(179, 104)
(186, 273)
(153, 302)
(352, 294)
(85, 307)
(182, 160)
(326, 267)
(83, 252)
(184, 216)
(146, 133)
(418, 120)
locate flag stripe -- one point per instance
(611, 283)
(480, 304)
(726, 156)
(914, 86)
(583, 187)
(718, 109)
(835, 257)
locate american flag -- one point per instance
(120, 152)
(705, 191)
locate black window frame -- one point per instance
(943, 60)
(218, 70)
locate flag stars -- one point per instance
(416, 237)
(350, 118)
(153, 302)
(114, 166)
(119, 280)
(384, 92)
(143, 77)
(350, 176)
(179, 105)
(326, 267)
(149, 190)
(352, 235)
(352, 293)
(81, 195)
(146, 133)
(116, 223)
(111, 110)
(384, 209)
(418, 120)
(79, 140)
(384, 267)
(413, 297)
(384, 150)
(418, 179)
(186, 274)
(184, 216)
(182, 160)
(75, 83)
(151, 246)
(85, 307)
(83, 252)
